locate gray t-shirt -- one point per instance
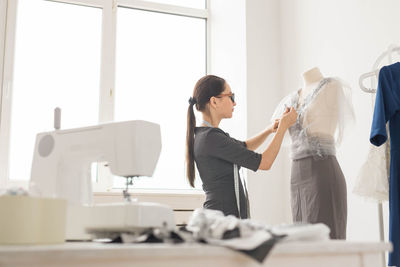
(215, 152)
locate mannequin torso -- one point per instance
(324, 109)
(321, 115)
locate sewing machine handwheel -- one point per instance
(46, 145)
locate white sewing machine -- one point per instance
(61, 168)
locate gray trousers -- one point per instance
(318, 193)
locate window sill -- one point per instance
(155, 192)
(178, 200)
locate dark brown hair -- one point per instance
(205, 88)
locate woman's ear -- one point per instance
(213, 102)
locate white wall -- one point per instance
(228, 57)
(343, 38)
(267, 189)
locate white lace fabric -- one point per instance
(372, 182)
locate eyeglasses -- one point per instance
(231, 96)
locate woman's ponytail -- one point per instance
(205, 88)
(191, 124)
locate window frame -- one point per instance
(8, 16)
(3, 23)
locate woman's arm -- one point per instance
(254, 142)
(269, 155)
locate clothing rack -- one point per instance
(375, 69)
(375, 74)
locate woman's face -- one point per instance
(225, 103)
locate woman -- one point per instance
(217, 154)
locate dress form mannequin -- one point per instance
(318, 187)
(322, 114)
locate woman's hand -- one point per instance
(288, 118)
(274, 126)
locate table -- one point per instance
(330, 253)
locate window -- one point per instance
(115, 60)
(56, 64)
(153, 82)
(186, 3)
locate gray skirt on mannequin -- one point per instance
(318, 193)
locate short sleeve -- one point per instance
(384, 108)
(239, 142)
(221, 146)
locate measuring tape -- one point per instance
(236, 177)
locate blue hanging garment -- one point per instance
(387, 107)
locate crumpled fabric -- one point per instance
(212, 225)
(215, 228)
(245, 236)
(248, 236)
